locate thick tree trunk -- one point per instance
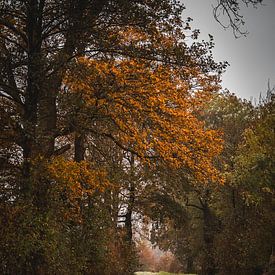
(39, 124)
(209, 230)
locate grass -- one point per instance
(160, 273)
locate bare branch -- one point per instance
(231, 10)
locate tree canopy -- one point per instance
(111, 123)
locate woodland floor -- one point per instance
(160, 273)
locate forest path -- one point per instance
(160, 273)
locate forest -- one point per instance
(119, 149)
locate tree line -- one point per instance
(111, 121)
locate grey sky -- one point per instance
(251, 58)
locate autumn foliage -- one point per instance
(151, 109)
(107, 120)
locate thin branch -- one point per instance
(10, 93)
(231, 9)
(62, 150)
(193, 205)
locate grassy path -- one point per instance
(160, 273)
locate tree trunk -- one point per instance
(209, 230)
(190, 265)
(79, 147)
(131, 201)
(129, 214)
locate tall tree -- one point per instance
(48, 120)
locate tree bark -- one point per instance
(129, 214)
(209, 230)
(131, 201)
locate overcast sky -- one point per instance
(251, 58)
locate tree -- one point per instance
(253, 178)
(49, 183)
(193, 216)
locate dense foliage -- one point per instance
(111, 123)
